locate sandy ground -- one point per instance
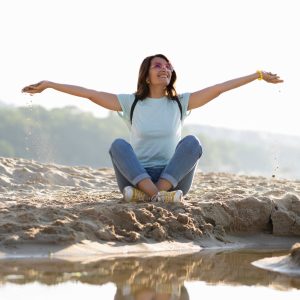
(48, 208)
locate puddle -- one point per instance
(226, 274)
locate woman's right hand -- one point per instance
(36, 88)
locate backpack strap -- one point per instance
(180, 107)
(133, 107)
(136, 101)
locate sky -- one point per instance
(100, 44)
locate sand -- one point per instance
(56, 209)
(286, 264)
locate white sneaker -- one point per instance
(132, 194)
(168, 197)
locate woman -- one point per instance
(157, 165)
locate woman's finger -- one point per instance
(26, 89)
(29, 89)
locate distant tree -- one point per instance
(72, 137)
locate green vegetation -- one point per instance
(65, 135)
(71, 137)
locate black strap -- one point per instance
(180, 107)
(136, 101)
(133, 107)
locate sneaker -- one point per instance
(168, 197)
(132, 194)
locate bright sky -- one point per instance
(100, 44)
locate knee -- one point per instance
(193, 145)
(117, 145)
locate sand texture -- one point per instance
(286, 264)
(54, 204)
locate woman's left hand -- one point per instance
(270, 77)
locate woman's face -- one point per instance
(151, 295)
(160, 72)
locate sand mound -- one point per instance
(54, 204)
(287, 264)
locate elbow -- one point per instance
(92, 96)
(219, 89)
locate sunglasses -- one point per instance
(160, 66)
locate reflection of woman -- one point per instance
(164, 292)
(157, 165)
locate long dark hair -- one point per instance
(142, 86)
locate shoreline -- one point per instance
(86, 250)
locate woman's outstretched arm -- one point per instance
(106, 100)
(201, 97)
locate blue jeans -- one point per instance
(179, 171)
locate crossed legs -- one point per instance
(177, 174)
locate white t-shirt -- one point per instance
(156, 127)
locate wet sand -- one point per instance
(285, 264)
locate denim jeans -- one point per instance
(179, 171)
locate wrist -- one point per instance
(259, 74)
(49, 84)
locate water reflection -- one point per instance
(159, 292)
(159, 278)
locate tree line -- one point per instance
(70, 136)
